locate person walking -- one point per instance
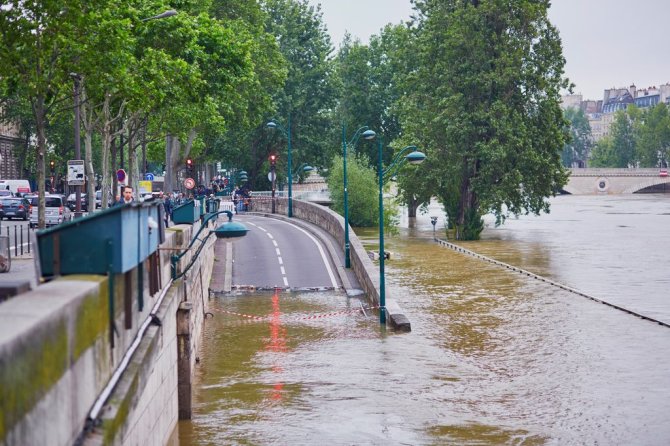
(167, 204)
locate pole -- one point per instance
(347, 257)
(290, 178)
(382, 285)
(77, 142)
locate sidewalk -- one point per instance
(21, 275)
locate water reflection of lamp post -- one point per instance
(368, 134)
(414, 157)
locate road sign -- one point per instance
(145, 187)
(149, 176)
(75, 173)
(121, 175)
(189, 183)
(272, 176)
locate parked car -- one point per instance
(14, 208)
(55, 211)
(72, 202)
(4, 193)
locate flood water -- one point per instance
(494, 357)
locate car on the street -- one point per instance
(14, 207)
(55, 210)
(4, 193)
(72, 202)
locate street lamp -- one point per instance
(168, 13)
(414, 157)
(368, 134)
(274, 125)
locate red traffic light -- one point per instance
(189, 162)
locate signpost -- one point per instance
(189, 183)
(75, 173)
(149, 176)
(121, 176)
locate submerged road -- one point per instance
(279, 254)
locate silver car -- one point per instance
(55, 211)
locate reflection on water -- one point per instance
(494, 357)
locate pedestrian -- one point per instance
(167, 204)
(127, 197)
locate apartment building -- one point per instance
(9, 139)
(600, 113)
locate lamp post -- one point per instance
(368, 134)
(414, 157)
(274, 125)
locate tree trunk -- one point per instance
(87, 120)
(40, 123)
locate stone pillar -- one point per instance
(184, 360)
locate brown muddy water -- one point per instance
(494, 357)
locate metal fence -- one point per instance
(19, 239)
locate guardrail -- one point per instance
(19, 239)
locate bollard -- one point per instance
(5, 254)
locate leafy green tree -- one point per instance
(653, 138)
(623, 140)
(485, 97)
(362, 190)
(308, 95)
(576, 151)
(37, 40)
(603, 153)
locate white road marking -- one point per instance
(281, 262)
(274, 242)
(323, 254)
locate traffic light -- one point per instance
(189, 164)
(273, 160)
(52, 165)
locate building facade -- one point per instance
(9, 141)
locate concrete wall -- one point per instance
(366, 271)
(56, 356)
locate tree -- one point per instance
(653, 137)
(308, 95)
(36, 48)
(622, 132)
(486, 98)
(362, 190)
(576, 151)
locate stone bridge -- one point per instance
(617, 181)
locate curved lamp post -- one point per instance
(287, 132)
(368, 134)
(414, 157)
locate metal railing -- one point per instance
(19, 238)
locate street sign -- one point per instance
(121, 175)
(149, 176)
(75, 173)
(145, 187)
(272, 176)
(189, 183)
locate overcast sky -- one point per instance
(607, 43)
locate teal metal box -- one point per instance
(187, 213)
(114, 240)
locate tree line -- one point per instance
(473, 83)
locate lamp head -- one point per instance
(307, 169)
(416, 157)
(369, 134)
(271, 125)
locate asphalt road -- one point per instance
(278, 254)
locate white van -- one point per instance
(55, 211)
(18, 187)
